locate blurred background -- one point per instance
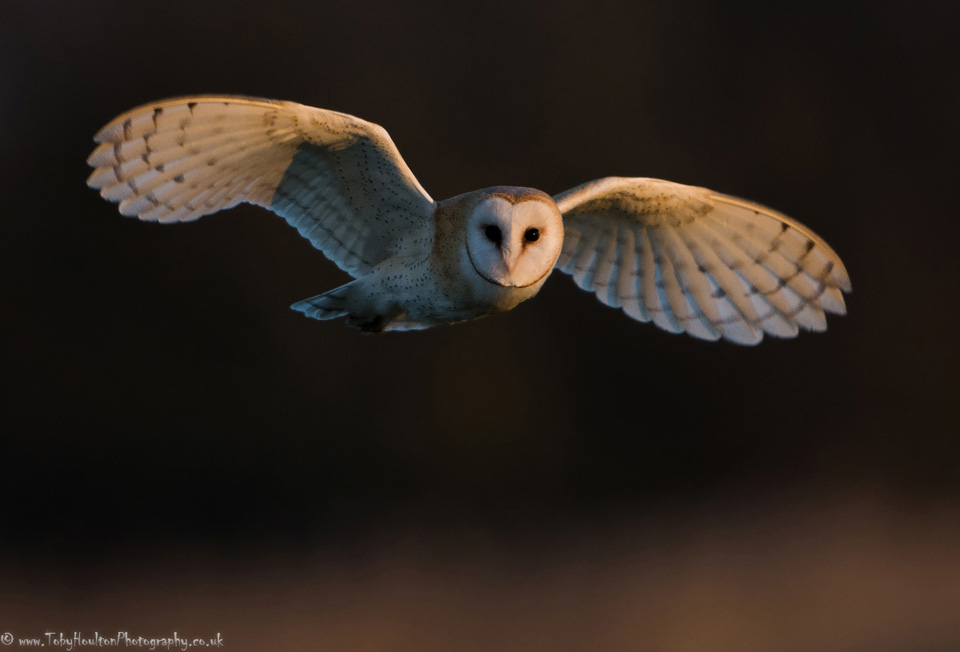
(181, 452)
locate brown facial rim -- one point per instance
(491, 281)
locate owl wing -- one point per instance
(338, 179)
(693, 260)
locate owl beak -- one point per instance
(510, 260)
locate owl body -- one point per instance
(686, 258)
(444, 284)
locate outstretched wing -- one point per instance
(693, 260)
(338, 179)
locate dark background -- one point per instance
(171, 428)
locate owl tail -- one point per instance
(328, 305)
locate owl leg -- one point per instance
(372, 318)
(375, 325)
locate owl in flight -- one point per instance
(687, 258)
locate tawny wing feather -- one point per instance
(338, 179)
(692, 260)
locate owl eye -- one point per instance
(493, 234)
(532, 235)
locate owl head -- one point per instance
(514, 236)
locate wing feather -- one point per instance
(627, 288)
(339, 180)
(771, 276)
(585, 261)
(783, 265)
(692, 260)
(671, 296)
(649, 283)
(704, 313)
(606, 271)
(569, 251)
(738, 316)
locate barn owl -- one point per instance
(686, 258)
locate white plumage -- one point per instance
(687, 258)
(693, 260)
